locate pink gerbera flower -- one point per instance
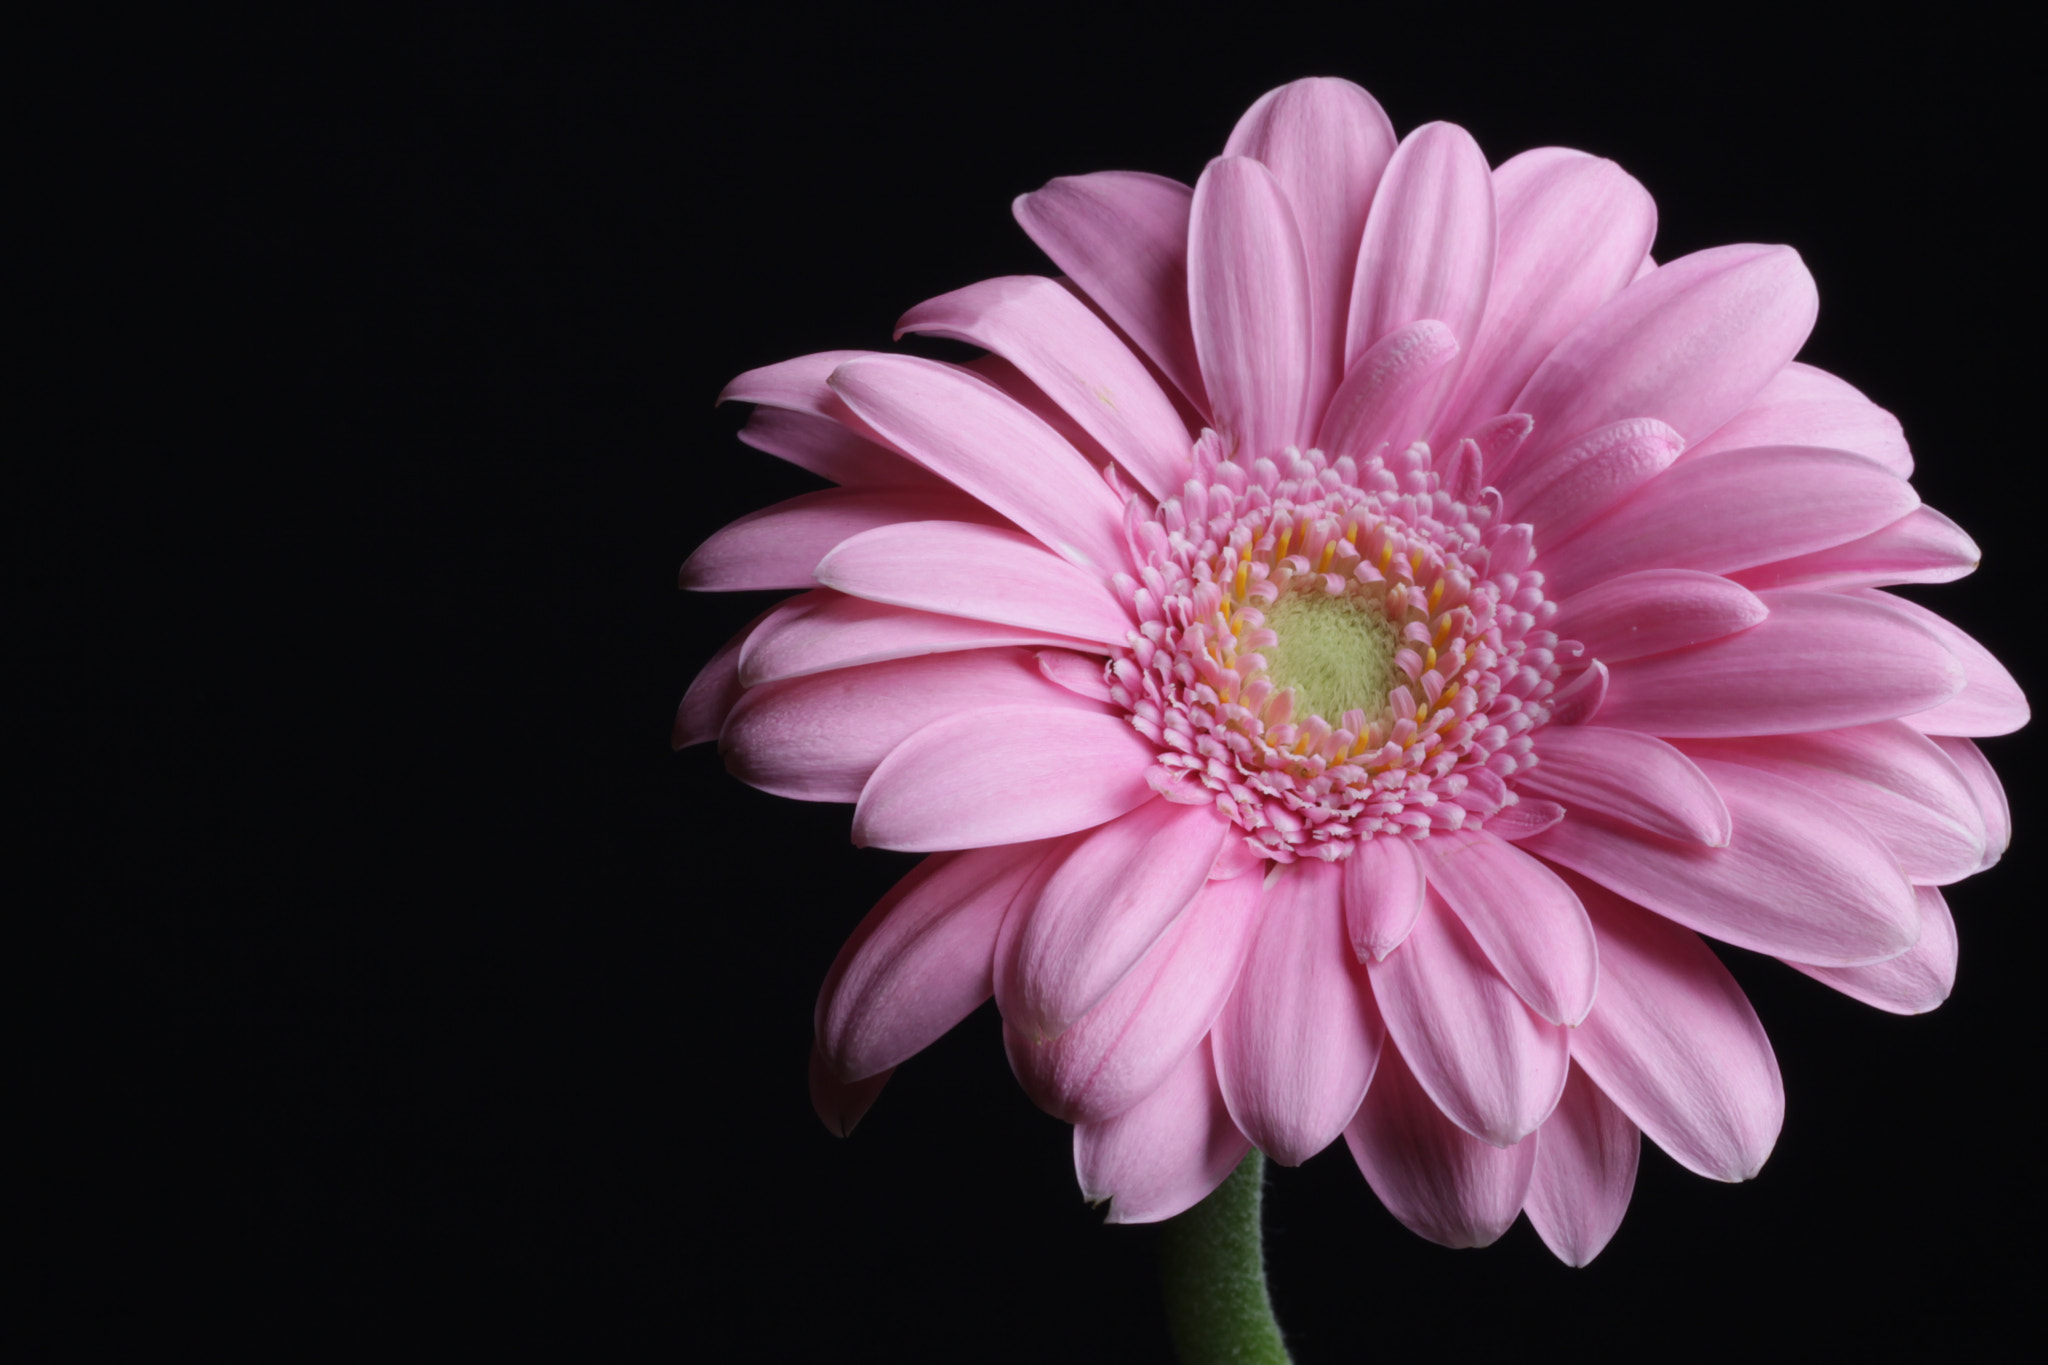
(1341, 648)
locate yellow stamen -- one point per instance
(1280, 550)
(1329, 553)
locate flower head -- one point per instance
(1342, 647)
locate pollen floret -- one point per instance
(1435, 596)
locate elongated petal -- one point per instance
(1383, 890)
(1818, 661)
(1522, 916)
(1804, 406)
(1990, 701)
(1921, 547)
(1586, 1157)
(920, 962)
(1123, 237)
(1380, 398)
(1654, 610)
(1296, 1045)
(1915, 981)
(823, 630)
(1129, 1044)
(1676, 1044)
(829, 449)
(1327, 142)
(1988, 791)
(1166, 1153)
(1801, 878)
(1438, 1180)
(780, 546)
(1004, 775)
(1733, 511)
(841, 1105)
(716, 688)
(984, 573)
(1691, 343)
(819, 738)
(985, 442)
(1487, 1061)
(1635, 778)
(1248, 300)
(1073, 356)
(1108, 897)
(1559, 495)
(797, 384)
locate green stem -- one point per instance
(1214, 1266)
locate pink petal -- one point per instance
(1579, 699)
(1895, 781)
(829, 449)
(1654, 610)
(780, 546)
(1002, 776)
(1677, 1046)
(1818, 662)
(822, 630)
(1383, 890)
(1080, 674)
(1560, 494)
(1800, 878)
(1915, 981)
(1732, 511)
(797, 385)
(1166, 1153)
(1439, 1181)
(984, 441)
(1988, 791)
(984, 573)
(1128, 1045)
(1573, 229)
(1586, 1156)
(1075, 358)
(1803, 406)
(717, 687)
(919, 962)
(1487, 1061)
(819, 738)
(840, 1105)
(1248, 299)
(1921, 547)
(1381, 394)
(1326, 142)
(1108, 895)
(1990, 702)
(1296, 1045)
(1123, 237)
(1634, 778)
(1691, 344)
(1522, 916)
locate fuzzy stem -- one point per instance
(1213, 1263)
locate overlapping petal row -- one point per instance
(1590, 571)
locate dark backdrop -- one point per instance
(399, 977)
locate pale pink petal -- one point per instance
(1559, 495)
(829, 449)
(1126, 1047)
(1379, 399)
(1627, 776)
(1573, 230)
(1123, 238)
(985, 442)
(1990, 701)
(1438, 1180)
(984, 573)
(1988, 792)
(1079, 673)
(1487, 1061)
(1579, 699)
(1383, 890)
(840, 1105)
(920, 962)
(823, 629)
(1527, 817)
(1522, 916)
(1586, 1157)
(1733, 511)
(1803, 406)
(1076, 360)
(1014, 383)
(1893, 779)
(819, 738)
(717, 687)
(1166, 1153)
(1107, 897)
(1800, 878)
(1676, 1044)
(1921, 547)
(797, 384)
(1654, 610)
(1818, 661)
(1691, 344)
(1296, 1045)
(1248, 299)
(1327, 143)
(1004, 775)
(1915, 981)
(780, 546)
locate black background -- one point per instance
(394, 978)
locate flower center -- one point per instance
(1337, 653)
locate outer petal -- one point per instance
(1654, 610)
(1916, 980)
(1559, 495)
(1248, 300)
(1383, 891)
(1490, 1064)
(823, 630)
(1165, 1154)
(1988, 791)
(1803, 406)
(1002, 776)
(780, 546)
(829, 449)
(716, 688)
(1921, 547)
(1635, 778)
(1382, 394)
(1441, 1182)
(1676, 1044)
(1990, 702)
(1522, 916)
(1586, 1157)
